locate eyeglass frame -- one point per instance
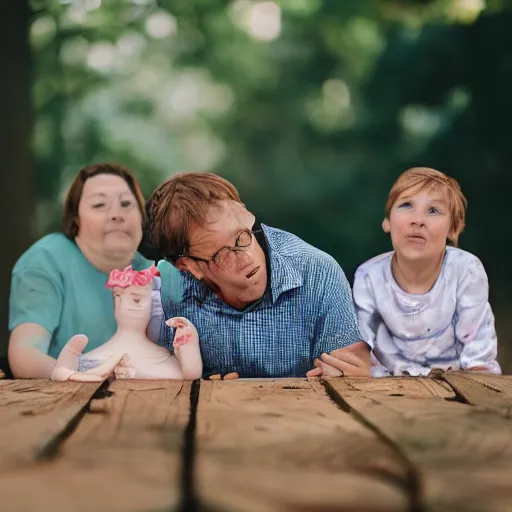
(230, 248)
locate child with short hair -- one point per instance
(424, 305)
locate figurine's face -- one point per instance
(133, 306)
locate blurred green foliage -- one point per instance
(310, 107)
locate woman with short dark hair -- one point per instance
(58, 285)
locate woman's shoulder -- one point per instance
(50, 250)
(140, 262)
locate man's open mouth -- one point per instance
(252, 272)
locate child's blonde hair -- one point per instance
(424, 177)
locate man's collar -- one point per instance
(284, 273)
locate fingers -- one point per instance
(77, 343)
(330, 370)
(124, 370)
(315, 372)
(85, 377)
(125, 361)
(177, 322)
(61, 374)
(347, 368)
(347, 357)
(68, 357)
(348, 360)
(359, 349)
(227, 376)
(107, 368)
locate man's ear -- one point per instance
(186, 265)
(386, 226)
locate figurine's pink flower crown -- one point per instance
(130, 277)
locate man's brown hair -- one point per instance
(70, 226)
(423, 177)
(180, 201)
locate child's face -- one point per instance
(419, 223)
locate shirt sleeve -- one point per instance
(336, 326)
(386, 358)
(36, 297)
(474, 325)
(366, 310)
(367, 319)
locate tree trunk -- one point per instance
(16, 204)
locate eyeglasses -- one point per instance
(221, 257)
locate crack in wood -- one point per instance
(49, 449)
(458, 396)
(412, 485)
(189, 498)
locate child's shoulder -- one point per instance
(374, 265)
(461, 260)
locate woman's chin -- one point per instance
(120, 248)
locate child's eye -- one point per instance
(433, 210)
(405, 204)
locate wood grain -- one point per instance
(484, 389)
(412, 387)
(124, 455)
(461, 454)
(284, 445)
(35, 414)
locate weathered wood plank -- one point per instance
(483, 389)
(34, 414)
(284, 445)
(462, 454)
(124, 455)
(412, 387)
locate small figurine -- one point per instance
(130, 354)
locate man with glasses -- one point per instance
(265, 303)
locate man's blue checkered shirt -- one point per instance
(308, 310)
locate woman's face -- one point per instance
(109, 219)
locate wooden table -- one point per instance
(351, 444)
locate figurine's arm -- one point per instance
(186, 348)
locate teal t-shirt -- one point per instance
(55, 286)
